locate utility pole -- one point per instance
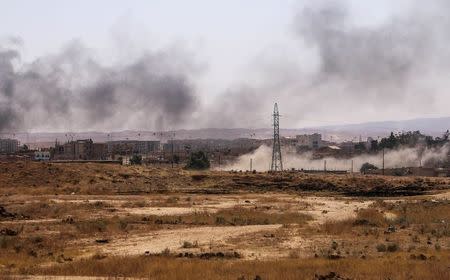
(251, 165)
(277, 163)
(383, 163)
(352, 167)
(173, 135)
(325, 165)
(420, 157)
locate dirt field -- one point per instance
(100, 220)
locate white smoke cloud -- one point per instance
(403, 157)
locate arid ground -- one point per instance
(105, 220)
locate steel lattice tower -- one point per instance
(277, 163)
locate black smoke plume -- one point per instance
(72, 90)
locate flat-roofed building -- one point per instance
(80, 150)
(9, 146)
(311, 141)
(133, 147)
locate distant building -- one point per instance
(235, 146)
(42, 155)
(9, 146)
(347, 146)
(99, 151)
(133, 147)
(311, 141)
(80, 150)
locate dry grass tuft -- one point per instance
(173, 268)
(426, 217)
(365, 219)
(237, 216)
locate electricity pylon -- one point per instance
(277, 163)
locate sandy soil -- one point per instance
(210, 206)
(33, 221)
(325, 209)
(249, 241)
(156, 242)
(441, 195)
(322, 209)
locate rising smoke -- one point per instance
(384, 59)
(410, 157)
(334, 66)
(355, 71)
(72, 90)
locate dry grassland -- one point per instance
(159, 223)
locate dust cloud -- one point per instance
(403, 157)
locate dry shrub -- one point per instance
(106, 225)
(44, 209)
(7, 242)
(365, 218)
(199, 177)
(370, 217)
(135, 204)
(91, 226)
(21, 252)
(392, 247)
(424, 212)
(50, 209)
(381, 248)
(172, 200)
(427, 217)
(245, 216)
(338, 227)
(294, 254)
(237, 216)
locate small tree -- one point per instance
(176, 159)
(136, 160)
(198, 160)
(366, 167)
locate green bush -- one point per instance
(136, 160)
(393, 247)
(381, 248)
(198, 160)
(366, 167)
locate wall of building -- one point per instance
(311, 141)
(132, 147)
(80, 150)
(9, 146)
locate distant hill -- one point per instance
(430, 126)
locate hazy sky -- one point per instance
(324, 62)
